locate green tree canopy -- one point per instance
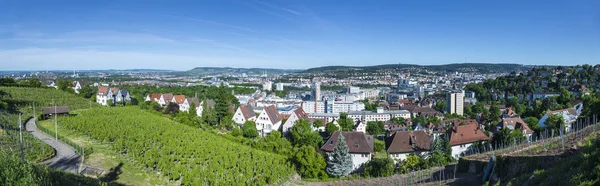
(331, 128)
(380, 167)
(301, 134)
(375, 128)
(249, 129)
(309, 163)
(532, 122)
(555, 121)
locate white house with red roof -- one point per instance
(462, 138)
(294, 116)
(102, 95)
(268, 120)
(244, 113)
(165, 99)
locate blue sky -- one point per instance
(180, 35)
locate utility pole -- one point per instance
(21, 139)
(55, 122)
(33, 109)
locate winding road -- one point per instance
(65, 158)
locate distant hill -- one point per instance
(457, 67)
(226, 70)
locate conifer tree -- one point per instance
(339, 162)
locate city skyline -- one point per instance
(38, 35)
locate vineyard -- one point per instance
(22, 100)
(179, 152)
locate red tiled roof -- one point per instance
(464, 134)
(273, 114)
(516, 123)
(154, 97)
(456, 122)
(247, 111)
(102, 90)
(179, 99)
(357, 142)
(409, 141)
(299, 112)
(168, 97)
(114, 90)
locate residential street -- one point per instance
(65, 159)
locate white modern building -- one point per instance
(379, 115)
(331, 106)
(569, 115)
(455, 101)
(279, 86)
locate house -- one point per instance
(569, 115)
(509, 113)
(48, 112)
(187, 103)
(463, 136)
(165, 99)
(579, 90)
(122, 96)
(179, 99)
(102, 95)
(112, 94)
(426, 112)
(268, 120)
(360, 147)
(360, 126)
(294, 116)
(577, 105)
(152, 97)
(542, 95)
(515, 124)
(210, 104)
(244, 113)
(404, 143)
(78, 85)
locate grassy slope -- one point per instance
(103, 156)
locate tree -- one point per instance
(317, 124)
(209, 115)
(34, 82)
(346, 124)
(249, 129)
(172, 108)
(331, 128)
(411, 163)
(192, 111)
(379, 146)
(63, 85)
(532, 122)
(520, 109)
(440, 106)
(87, 92)
(375, 128)
(237, 132)
(399, 120)
(564, 97)
(555, 121)
(380, 167)
(494, 113)
(301, 134)
(339, 163)
(309, 163)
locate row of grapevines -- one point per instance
(178, 151)
(21, 100)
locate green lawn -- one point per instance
(104, 157)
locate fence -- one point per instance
(546, 139)
(78, 148)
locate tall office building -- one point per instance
(316, 91)
(454, 102)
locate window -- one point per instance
(331, 142)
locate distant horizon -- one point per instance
(134, 69)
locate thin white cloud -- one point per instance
(80, 59)
(110, 37)
(279, 8)
(214, 23)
